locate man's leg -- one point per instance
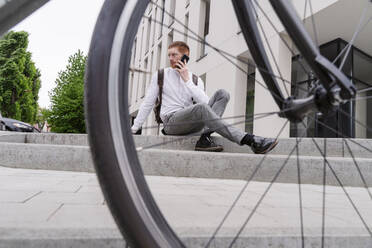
(218, 103)
(198, 116)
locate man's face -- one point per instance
(174, 55)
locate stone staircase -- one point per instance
(174, 156)
(196, 181)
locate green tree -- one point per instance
(19, 78)
(67, 110)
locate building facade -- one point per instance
(225, 62)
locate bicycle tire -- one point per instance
(112, 145)
(123, 185)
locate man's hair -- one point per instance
(182, 46)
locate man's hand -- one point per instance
(184, 71)
(135, 130)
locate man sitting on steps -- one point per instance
(186, 109)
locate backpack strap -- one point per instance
(195, 79)
(160, 97)
(160, 83)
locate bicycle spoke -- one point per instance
(139, 149)
(361, 98)
(305, 12)
(364, 90)
(241, 192)
(271, 51)
(138, 70)
(222, 118)
(358, 168)
(261, 199)
(260, 116)
(264, 194)
(348, 45)
(352, 118)
(300, 193)
(222, 52)
(314, 25)
(343, 188)
(359, 27)
(342, 135)
(324, 190)
(277, 31)
(217, 50)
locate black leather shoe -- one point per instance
(206, 144)
(262, 145)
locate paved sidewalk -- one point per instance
(66, 209)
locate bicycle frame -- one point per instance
(337, 87)
(14, 11)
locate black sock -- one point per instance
(206, 135)
(247, 139)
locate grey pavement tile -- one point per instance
(83, 216)
(90, 188)
(39, 186)
(21, 215)
(68, 198)
(74, 200)
(12, 196)
(348, 215)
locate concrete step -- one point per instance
(335, 147)
(44, 138)
(241, 166)
(43, 209)
(177, 163)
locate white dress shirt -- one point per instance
(177, 95)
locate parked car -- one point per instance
(17, 126)
(2, 126)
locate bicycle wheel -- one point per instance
(108, 124)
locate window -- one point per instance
(170, 40)
(186, 29)
(162, 17)
(134, 52)
(148, 34)
(138, 85)
(205, 14)
(249, 107)
(141, 46)
(154, 24)
(130, 90)
(204, 78)
(357, 68)
(144, 78)
(172, 12)
(150, 68)
(158, 58)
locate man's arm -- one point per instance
(197, 91)
(147, 104)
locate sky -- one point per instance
(58, 30)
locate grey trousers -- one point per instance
(205, 118)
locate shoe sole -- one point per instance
(220, 149)
(273, 145)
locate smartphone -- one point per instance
(184, 59)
